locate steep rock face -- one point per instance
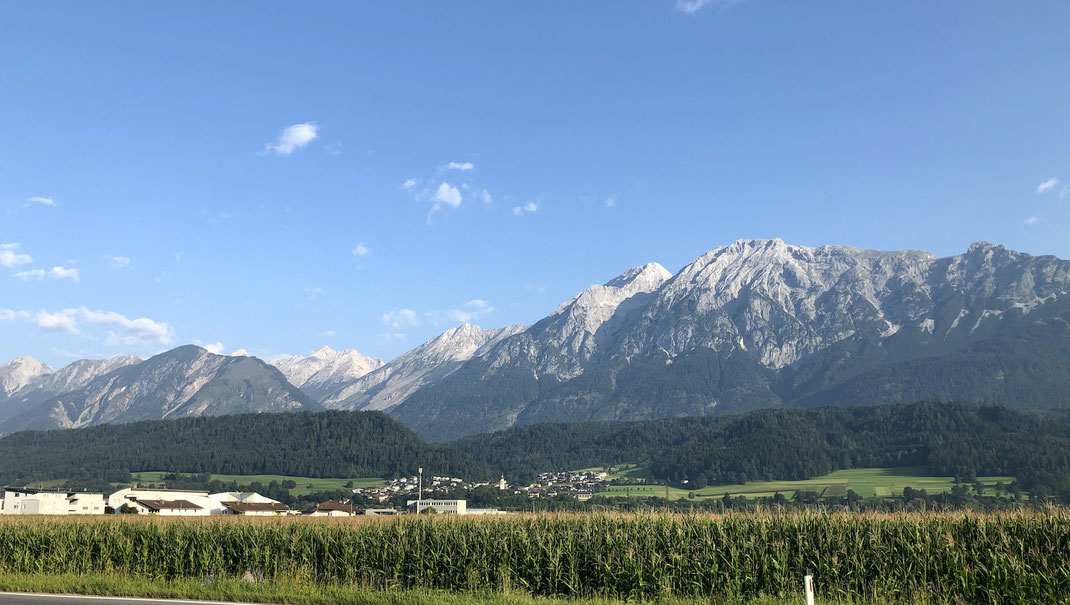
(427, 364)
(327, 375)
(818, 325)
(575, 335)
(184, 381)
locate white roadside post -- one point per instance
(808, 587)
(419, 490)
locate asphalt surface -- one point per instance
(11, 598)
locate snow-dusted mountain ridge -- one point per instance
(755, 323)
(326, 374)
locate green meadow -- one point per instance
(866, 482)
(305, 485)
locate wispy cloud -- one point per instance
(528, 208)
(400, 318)
(469, 311)
(10, 256)
(408, 184)
(313, 293)
(462, 166)
(611, 203)
(328, 333)
(361, 250)
(1032, 220)
(55, 273)
(118, 262)
(122, 330)
(39, 199)
(1047, 185)
(293, 138)
(690, 7)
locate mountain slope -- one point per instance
(761, 323)
(327, 375)
(47, 384)
(181, 382)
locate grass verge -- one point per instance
(234, 591)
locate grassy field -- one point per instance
(305, 485)
(867, 482)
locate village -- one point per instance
(419, 497)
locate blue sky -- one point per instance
(276, 177)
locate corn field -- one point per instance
(952, 558)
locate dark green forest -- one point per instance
(947, 439)
(305, 444)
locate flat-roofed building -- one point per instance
(255, 509)
(451, 507)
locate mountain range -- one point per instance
(754, 324)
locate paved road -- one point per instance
(13, 598)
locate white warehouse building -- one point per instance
(29, 501)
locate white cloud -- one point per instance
(1032, 220)
(690, 7)
(485, 196)
(118, 262)
(10, 257)
(408, 184)
(399, 318)
(386, 337)
(314, 292)
(462, 166)
(54, 273)
(328, 333)
(37, 274)
(64, 273)
(140, 331)
(469, 311)
(1047, 185)
(610, 203)
(61, 321)
(293, 138)
(241, 353)
(528, 208)
(38, 199)
(448, 194)
(10, 314)
(216, 347)
(361, 250)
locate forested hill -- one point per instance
(946, 439)
(305, 444)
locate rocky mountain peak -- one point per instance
(20, 372)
